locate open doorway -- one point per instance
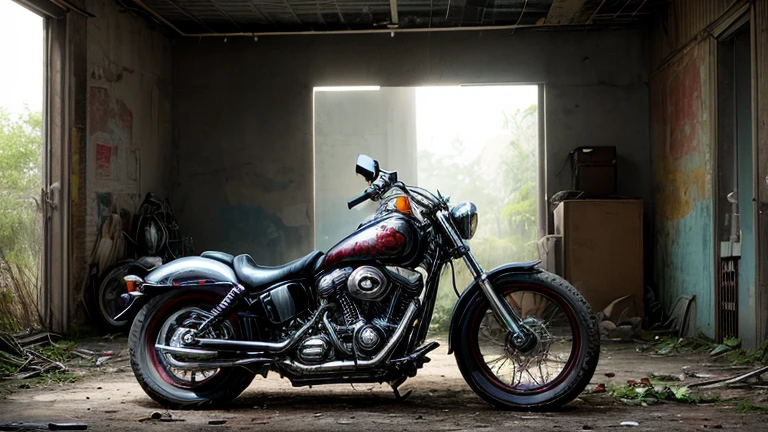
(735, 311)
(472, 143)
(21, 165)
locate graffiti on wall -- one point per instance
(113, 189)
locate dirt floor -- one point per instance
(109, 398)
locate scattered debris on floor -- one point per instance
(615, 324)
(644, 392)
(161, 417)
(30, 355)
(20, 426)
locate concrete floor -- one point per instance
(109, 398)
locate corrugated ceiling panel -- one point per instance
(210, 16)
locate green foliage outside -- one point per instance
(20, 223)
(502, 181)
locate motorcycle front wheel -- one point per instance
(546, 376)
(164, 321)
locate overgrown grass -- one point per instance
(747, 407)
(20, 218)
(57, 377)
(59, 351)
(730, 349)
(18, 296)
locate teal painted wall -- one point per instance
(682, 180)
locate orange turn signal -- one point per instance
(132, 283)
(403, 205)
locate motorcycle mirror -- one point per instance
(367, 167)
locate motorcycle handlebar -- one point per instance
(365, 196)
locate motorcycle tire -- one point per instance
(162, 382)
(576, 371)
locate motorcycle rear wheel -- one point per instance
(550, 375)
(177, 388)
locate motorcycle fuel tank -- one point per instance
(392, 240)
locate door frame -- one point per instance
(744, 15)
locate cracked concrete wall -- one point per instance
(243, 119)
(128, 137)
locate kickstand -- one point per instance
(399, 397)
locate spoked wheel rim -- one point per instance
(171, 333)
(552, 358)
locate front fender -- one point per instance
(473, 290)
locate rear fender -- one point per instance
(187, 272)
(469, 294)
(189, 269)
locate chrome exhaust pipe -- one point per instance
(187, 352)
(268, 347)
(213, 364)
(356, 366)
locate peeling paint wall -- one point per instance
(128, 136)
(682, 165)
(243, 115)
(683, 116)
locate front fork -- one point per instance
(520, 336)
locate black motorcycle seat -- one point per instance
(255, 276)
(222, 257)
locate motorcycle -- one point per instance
(154, 239)
(522, 338)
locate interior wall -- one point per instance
(682, 147)
(128, 146)
(243, 115)
(683, 109)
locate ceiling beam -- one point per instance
(393, 10)
(563, 12)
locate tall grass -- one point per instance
(20, 222)
(18, 296)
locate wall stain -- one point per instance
(682, 166)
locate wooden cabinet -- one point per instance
(602, 250)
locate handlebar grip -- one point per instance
(365, 196)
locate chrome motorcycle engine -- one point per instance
(368, 283)
(371, 302)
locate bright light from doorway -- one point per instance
(347, 88)
(21, 47)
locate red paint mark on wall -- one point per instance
(684, 108)
(107, 114)
(110, 126)
(103, 160)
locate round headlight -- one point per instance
(465, 218)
